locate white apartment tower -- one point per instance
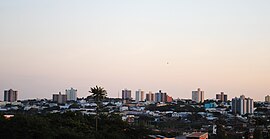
(198, 96)
(71, 94)
(242, 105)
(139, 95)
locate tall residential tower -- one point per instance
(242, 105)
(198, 96)
(10, 95)
(139, 96)
(222, 97)
(71, 94)
(267, 99)
(150, 97)
(160, 96)
(126, 94)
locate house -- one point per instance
(197, 135)
(210, 105)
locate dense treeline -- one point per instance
(68, 125)
(175, 108)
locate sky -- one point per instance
(175, 45)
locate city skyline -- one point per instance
(175, 46)
(134, 95)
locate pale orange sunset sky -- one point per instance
(50, 45)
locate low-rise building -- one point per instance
(210, 105)
(197, 135)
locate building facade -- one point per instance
(139, 95)
(267, 98)
(150, 97)
(198, 96)
(71, 94)
(160, 96)
(169, 99)
(222, 97)
(242, 105)
(60, 98)
(10, 95)
(126, 94)
(197, 135)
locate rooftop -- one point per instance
(197, 134)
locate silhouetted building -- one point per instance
(71, 94)
(222, 97)
(10, 95)
(60, 98)
(198, 96)
(126, 94)
(242, 105)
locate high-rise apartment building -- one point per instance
(242, 105)
(139, 96)
(60, 98)
(10, 95)
(222, 97)
(267, 98)
(198, 96)
(71, 94)
(150, 97)
(160, 96)
(126, 94)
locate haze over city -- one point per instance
(176, 46)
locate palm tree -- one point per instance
(98, 94)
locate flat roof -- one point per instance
(197, 134)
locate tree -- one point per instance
(98, 94)
(221, 132)
(258, 134)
